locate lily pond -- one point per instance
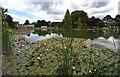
(63, 52)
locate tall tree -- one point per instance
(75, 16)
(44, 23)
(26, 22)
(9, 20)
(67, 21)
(38, 24)
(117, 19)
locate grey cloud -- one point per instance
(46, 6)
(57, 17)
(103, 11)
(99, 4)
(74, 6)
(43, 5)
(56, 12)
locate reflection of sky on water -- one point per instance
(110, 43)
(36, 37)
(108, 39)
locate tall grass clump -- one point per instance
(6, 43)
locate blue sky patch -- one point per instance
(19, 13)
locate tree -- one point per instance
(38, 24)
(67, 22)
(117, 17)
(95, 22)
(117, 20)
(100, 24)
(26, 22)
(107, 17)
(75, 16)
(44, 23)
(6, 43)
(118, 24)
(9, 20)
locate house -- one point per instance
(44, 27)
(29, 26)
(19, 26)
(108, 19)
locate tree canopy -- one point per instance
(67, 21)
(107, 17)
(26, 22)
(79, 14)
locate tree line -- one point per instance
(77, 19)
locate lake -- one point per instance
(45, 57)
(97, 38)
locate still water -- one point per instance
(97, 38)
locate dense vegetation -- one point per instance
(6, 23)
(79, 19)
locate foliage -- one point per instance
(100, 24)
(107, 17)
(56, 24)
(96, 22)
(117, 20)
(79, 14)
(67, 21)
(26, 22)
(117, 17)
(42, 23)
(9, 20)
(6, 43)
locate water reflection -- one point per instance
(98, 38)
(35, 37)
(110, 43)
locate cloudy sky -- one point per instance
(54, 10)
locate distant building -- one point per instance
(19, 26)
(29, 26)
(43, 27)
(108, 20)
